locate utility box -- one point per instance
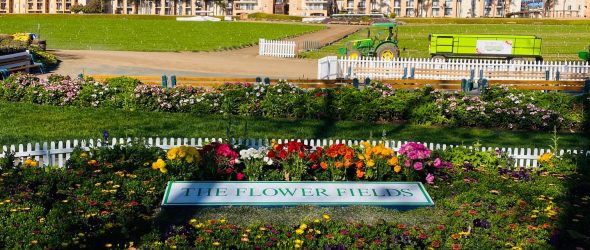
(484, 46)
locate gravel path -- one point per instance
(235, 63)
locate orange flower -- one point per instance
(347, 163)
(359, 164)
(339, 164)
(324, 165)
(397, 168)
(360, 173)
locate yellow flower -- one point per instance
(108, 245)
(34, 164)
(326, 217)
(316, 221)
(193, 220)
(397, 168)
(28, 162)
(370, 163)
(159, 164)
(163, 170)
(171, 155)
(298, 241)
(182, 151)
(216, 244)
(393, 161)
(34, 242)
(303, 226)
(116, 186)
(516, 248)
(299, 231)
(222, 221)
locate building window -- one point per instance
(409, 12)
(396, 3)
(435, 4)
(448, 11)
(435, 12)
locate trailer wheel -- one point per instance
(353, 54)
(439, 58)
(387, 51)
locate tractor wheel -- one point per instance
(387, 51)
(353, 54)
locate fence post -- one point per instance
(557, 75)
(464, 85)
(267, 81)
(258, 79)
(355, 83)
(173, 81)
(367, 82)
(164, 81)
(412, 72)
(587, 86)
(405, 73)
(547, 75)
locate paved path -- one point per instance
(235, 63)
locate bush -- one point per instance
(274, 17)
(498, 107)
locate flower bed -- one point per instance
(497, 107)
(109, 197)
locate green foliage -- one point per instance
(48, 59)
(128, 32)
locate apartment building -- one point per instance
(402, 8)
(37, 6)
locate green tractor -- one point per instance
(585, 55)
(384, 45)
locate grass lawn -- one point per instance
(145, 33)
(24, 123)
(561, 40)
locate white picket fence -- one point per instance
(57, 153)
(276, 48)
(376, 68)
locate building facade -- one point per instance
(561, 9)
(37, 6)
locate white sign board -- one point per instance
(223, 193)
(495, 47)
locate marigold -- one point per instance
(339, 164)
(324, 165)
(172, 153)
(393, 161)
(360, 173)
(397, 168)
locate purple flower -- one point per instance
(429, 178)
(418, 166)
(438, 163)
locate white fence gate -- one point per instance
(57, 153)
(276, 48)
(402, 68)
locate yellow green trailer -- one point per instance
(508, 47)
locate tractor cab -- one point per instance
(382, 45)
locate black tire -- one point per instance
(387, 51)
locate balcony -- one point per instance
(316, 1)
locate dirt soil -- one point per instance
(234, 63)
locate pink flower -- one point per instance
(418, 166)
(429, 178)
(407, 163)
(438, 163)
(240, 176)
(228, 170)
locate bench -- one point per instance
(379, 72)
(420, 83)
(528, 75)
(571, 76)
(17, 62)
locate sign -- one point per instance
(277, 193)
(495, 47)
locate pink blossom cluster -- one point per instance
(414, 151)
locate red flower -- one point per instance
(435, 244)
(456, 246)
(401, 226)
(318, 94)
(301, 154)
(240, 176)
(228, 170)
(92, 203)
(314, 166)
(283, 154)
(271, 154)
(423, 236)
(108, 203)
(441, 227)
(133, 203)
